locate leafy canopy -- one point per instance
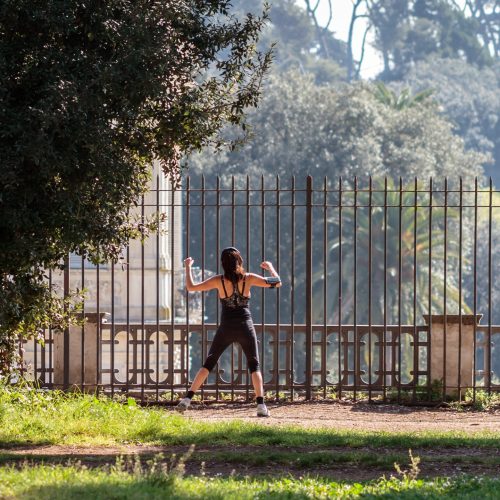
(91, 93)
(306, 129)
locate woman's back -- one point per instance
(237, 298)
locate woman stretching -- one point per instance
(236, 323)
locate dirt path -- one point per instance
(360, 416)
(435, 462)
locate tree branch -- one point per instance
(363, 44)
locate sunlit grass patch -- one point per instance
(43, 417)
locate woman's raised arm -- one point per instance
(208, 284)
(262, 281)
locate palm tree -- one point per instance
(398, 250)
(404, 100)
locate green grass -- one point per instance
(29, 417)
(71, 482)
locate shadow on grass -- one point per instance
(137, 489)
(245, 434)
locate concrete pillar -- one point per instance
(456, 355)
(78, 359)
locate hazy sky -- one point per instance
(372, 63)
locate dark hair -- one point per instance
(232, 263)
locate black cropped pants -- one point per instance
(240, 331)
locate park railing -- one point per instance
(390, 292)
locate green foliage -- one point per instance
(298, 44)
(482, 400)
(306, 129)
(469, 98)
(91, 94)
(404, 100)
(412, 31)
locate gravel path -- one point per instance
(359, 416)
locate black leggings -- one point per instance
(242, 332)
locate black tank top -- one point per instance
(235, 306)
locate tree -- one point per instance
(91, 93)
(306, 129)
(298, 40)
(469, 98)
(412, 31)
(303, 128)
(487, 13)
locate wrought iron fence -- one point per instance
(384, 288)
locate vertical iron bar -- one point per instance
(324, 370)
(203, 329)
(35, 358)
(415, 334)
(218, 269)
(171, 337)
(357, 371)
(51, 340)
(187, 254)
(113, 328)
(474, 339)
(99, 329)
(262, 258)
(157, 368)
(384, 332)
(82, 347)
(340, 360)
(460, 231)
(490, 278)
(143, 333)
(232, 243)
(400, 272)
(127, 345)
(277, 344)
(292, 296)
(171, 344)
(247, 376)
(429, 331)
(370, 236)
(66, 330)
(445, 275)
(309, 344)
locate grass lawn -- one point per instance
(40, 482)
(34, 418)
(29, 417)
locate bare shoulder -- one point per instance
(252, 278)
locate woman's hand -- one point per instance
(267, 266)
(188, 262)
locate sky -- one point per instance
(342, 11)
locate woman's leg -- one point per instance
(248, 342)
(219, 344)
(258, 385)
(201, 376)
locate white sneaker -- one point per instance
(262, 410)
(183, 405)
